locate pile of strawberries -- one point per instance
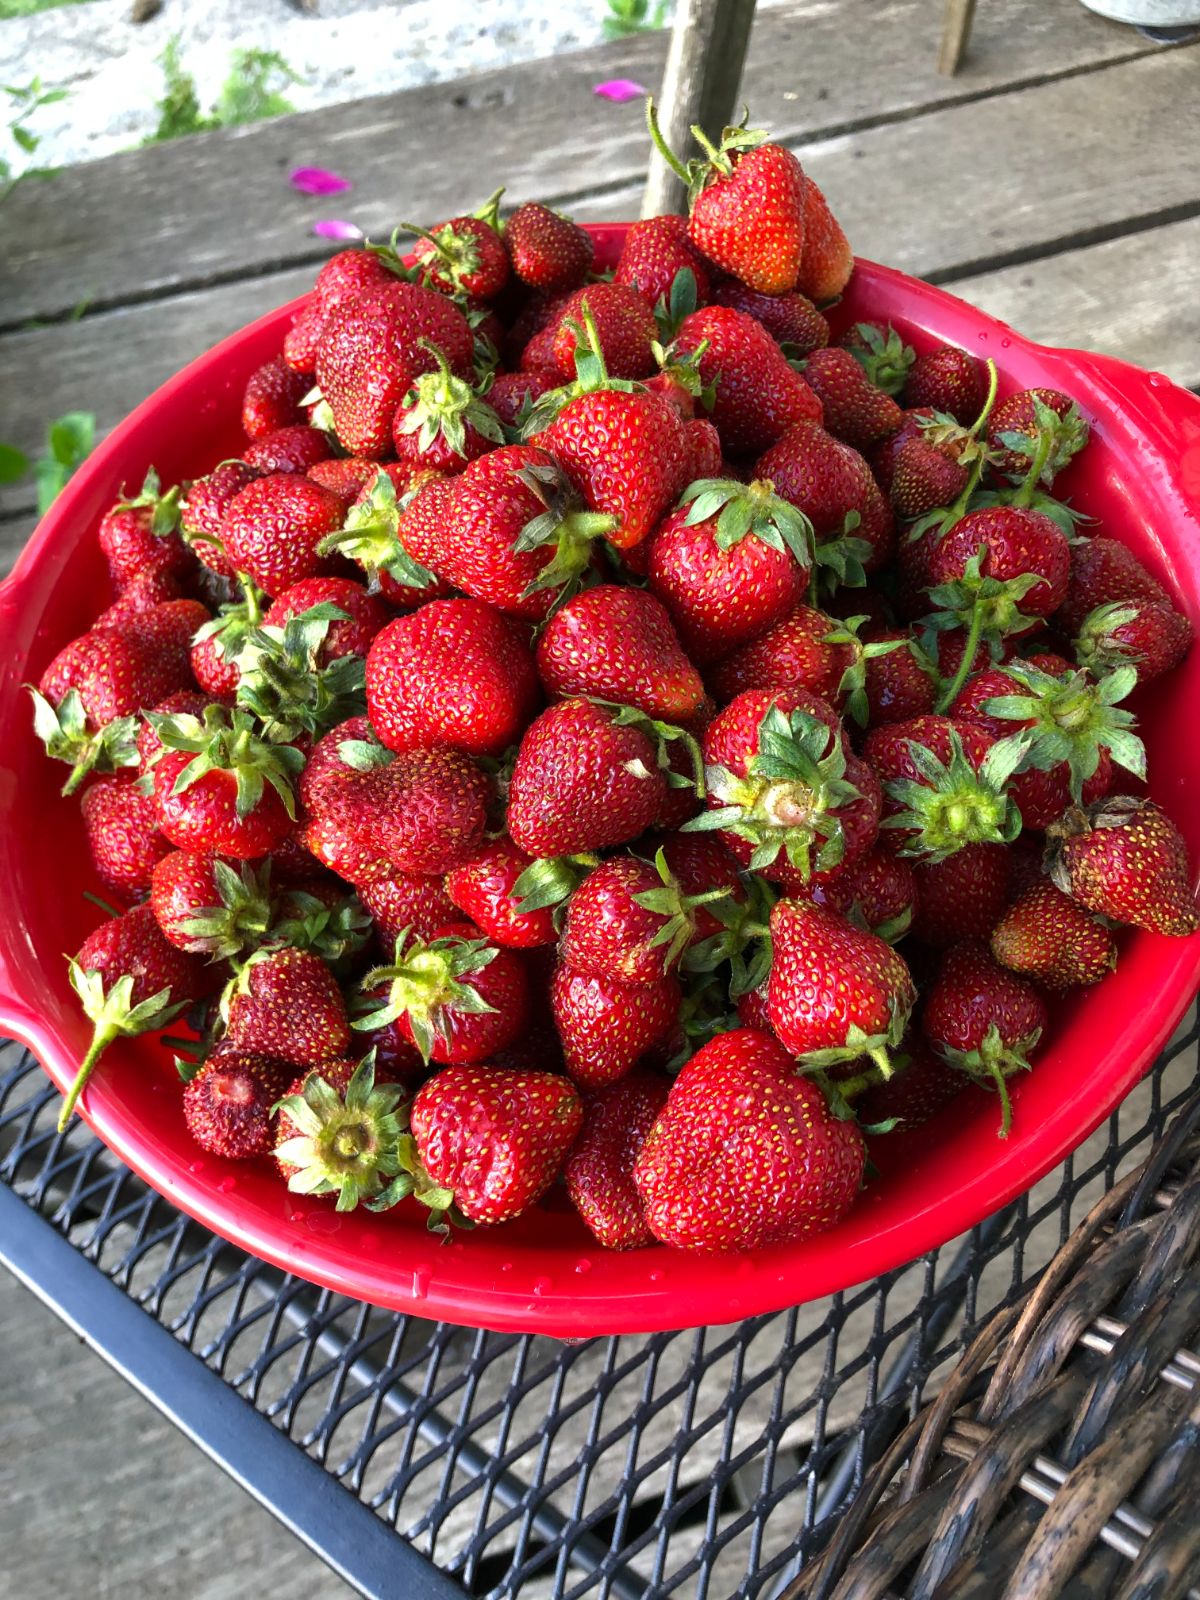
(601, 729)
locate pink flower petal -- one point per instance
(318, 180)
(619, 90)
(335, 228)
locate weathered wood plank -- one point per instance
(215, 206)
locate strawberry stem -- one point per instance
(661, 145)
(997, 1074)
(1024, 495)
(950, 693)
(989, 400)
(102, 1037)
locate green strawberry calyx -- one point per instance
(284, 683)
(1099, 646)
(718, 160)
(234, 622)
(347, 1144)
(853, 684)
(565, 524)
(989, 609)
(883, 356)
(790, 799)
(591, 376)
(441, 406)
(970, 450)
(992, 1062)
(949, 805)
(241, 917)
(1070, 718)
(413, 1180)
(229, 741)
(67, 735)
(550, 881)
(455, 255)
(163, 508)
(304, 921)
(662, 735)
(425, 983)
(682, 369)
(679, 302)
(743, 940)
(839, 561)
(877, 1047)
(1047, 444)
(750, 510)
(370, 536)
(113, 1015)
(676, 910)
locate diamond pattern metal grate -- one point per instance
(704, 1464)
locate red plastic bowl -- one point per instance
(1140, 478)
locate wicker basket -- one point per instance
(1062, 1456)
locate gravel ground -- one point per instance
(345, 50)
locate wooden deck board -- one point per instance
(217, 206)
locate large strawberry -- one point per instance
(631, 920)
(548, 251)
(455, 675)
(1049, 937)
(442, 423)
(835, 992)
(371, 351)
(758, 395)
(746, 1153)
(729, 564)
(855, 411)
(607, 1025)
(465, 255)
(1104, 570)
(620, 323)
(455, 996)
(129, 981)
(287, 1003)
(599, 1167)
(406, 902)
(273, 527)
(122, 834)
(963, 895)
(808, 650)
(981, 1019)
(618, 643)
(1125, 859)
(831, 484)
(828, 260)
(424, 812)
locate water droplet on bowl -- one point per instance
(506, 1266)
(542, 1286)
(656, 1274)
(422, 1277)
(323, 1222)
(583, 1265)
(295, 1216)
(227, 1185)
(197, 1166)
(1159, 380)
(1005, 343)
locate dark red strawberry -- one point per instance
(425, 812)
(287, 1003)
(129, 981)
(700, 865)
(405, 902)
(1147, 634)
(623, 324)
(1104, 570)
(630, 920)
(855, 411)
(303, 339)
(828, 260)
(455, 675)
(348, 636)
(289, 450)
(607, 1026)
(617, 643)
(227, 1105)
(807, 650)
(465, 255)
(878, 892)
(1124, 858)
(141, 534)
(455, 996)
(123, 839)
(273, 527)
(962, 896)
(729, 564)
(982, 1020)
(350, 274)
(949, 380)
(548, 251)
(921, 1085)
(899, 683)
(1049, 937)
(486, 888)
(1034, 434)
(490, 1141)
(791, 319)
(599, 1166)
(758, 395)
(942, 788)
(832, 485)
(746, 1153)
(345, 476)
(271, 399)
(202, 511)
(512, 395)
(926, 474)
(704, 450)
(653, 253)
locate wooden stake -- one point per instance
(956, 35)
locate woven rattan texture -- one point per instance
(712, 1463)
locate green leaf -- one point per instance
(14, 463)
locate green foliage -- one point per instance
(24, 100)
(626, 17)
(251, 93)
(29, 8)
(69, 439)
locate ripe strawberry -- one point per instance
(785, 795)
(701, 865)
(123, 841)
(1034, 434)
(606, 1025)
(921, 1085)
(273, 526)
(759, 396)
(393, 539)
(218, 787)
(625, 330)
(1104, 570)
(203, 509)
(703, 445)
(807, 650)
(327, 768)
(227, 1105)
(1125, 859)
(303, 339)
(584, 779)
(900, 683)
(513, 394)
(271, 399)
(913, 424)
(1047, 936)
(548, 251)
(1147, 634)
(599, 1166)
(288, 450)
(926, 474)
(350, 635)
(141, 535)
(653, 253)
(746, 1153)
(878, 892)
(465, 255)
(628, 919)
(982, 1020)
(129, 981)
(832, 485)
(204, 905)
(486, 889)
(374, 347)
(628, 456)
(339, 1133)
(148, 589)
(791, 319)
(490, 1141)
(962, 896)
(219, 642)
(424, 813)
(442, 423)
(617, 643)
(286, 1003)
(348, 275)
(182, 701)
(167, 628)
(404, 903)
(881, 353)
(949, 380)
(855, 411)
(345, 476)
(455, 675)
(828, 260)
(729, 564)
(455, 996)
(835, 992)
(942, 788)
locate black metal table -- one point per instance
(423, 1461)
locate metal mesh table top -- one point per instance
(707, 1463)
